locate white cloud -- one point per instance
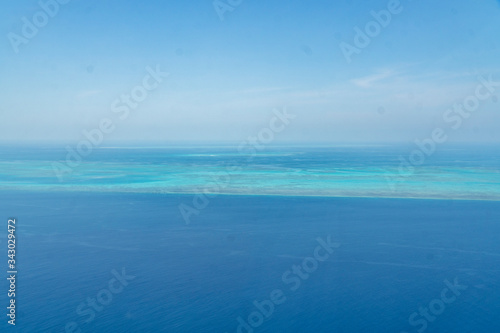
(368, 81)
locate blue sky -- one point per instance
(226, 76)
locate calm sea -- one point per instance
(292, 239)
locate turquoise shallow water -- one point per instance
(119, 210)
(453, 173)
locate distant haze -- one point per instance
(227, 76)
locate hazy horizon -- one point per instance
(226, 76)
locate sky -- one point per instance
(231, 64)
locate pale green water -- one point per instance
(341, 172)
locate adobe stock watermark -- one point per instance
(121, 107)
(292, 279)
(363, 37)
(48, 9)
(249, 147)
(420, 320)
(103, 298)
(221, 7)
(454, 118)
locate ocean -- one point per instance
(290, 239)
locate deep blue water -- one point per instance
(291, 240)
(393, 258)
